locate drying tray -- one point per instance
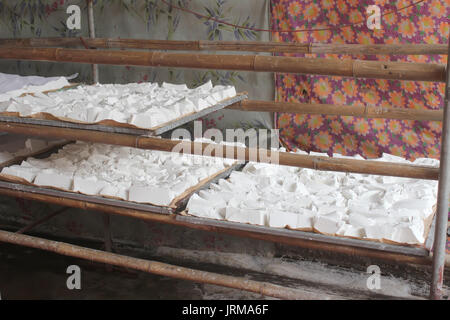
(191, 221)
(111, 126)
(412, 249)
(335, 239)
(422, 251)
(177, 204)
(184, 217)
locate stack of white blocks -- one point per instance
(333, 203)
(13, 85)
(143, 176)
(144, 105)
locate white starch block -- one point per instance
(229, 91)
(89, 186)
(55, 180)
(379, 231)
(21, 172)
(193, 104)
(201, 208)
(155, 195)
(326, 225)
(92, 113)
(305, 220)
(407, 234)
(178, 87)
(141, 121)
(282, 219)
(114, 192)
(257, 217)
(204, 87)
(351, 231)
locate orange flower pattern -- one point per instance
(423, 23)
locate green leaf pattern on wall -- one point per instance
(215, 29)
(23, 14)
(151, 19)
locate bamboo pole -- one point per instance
(339, 110)
(171, 220)
(258, 63)
(162, 269)
(215, 150)
(243, 46)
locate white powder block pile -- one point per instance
(13, 85)
(14, 146)
(131, 174)
(145, 105)
(332, 203)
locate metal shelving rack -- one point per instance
(398, 254)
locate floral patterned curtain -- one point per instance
(426, 22)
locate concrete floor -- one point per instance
(34, 274)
